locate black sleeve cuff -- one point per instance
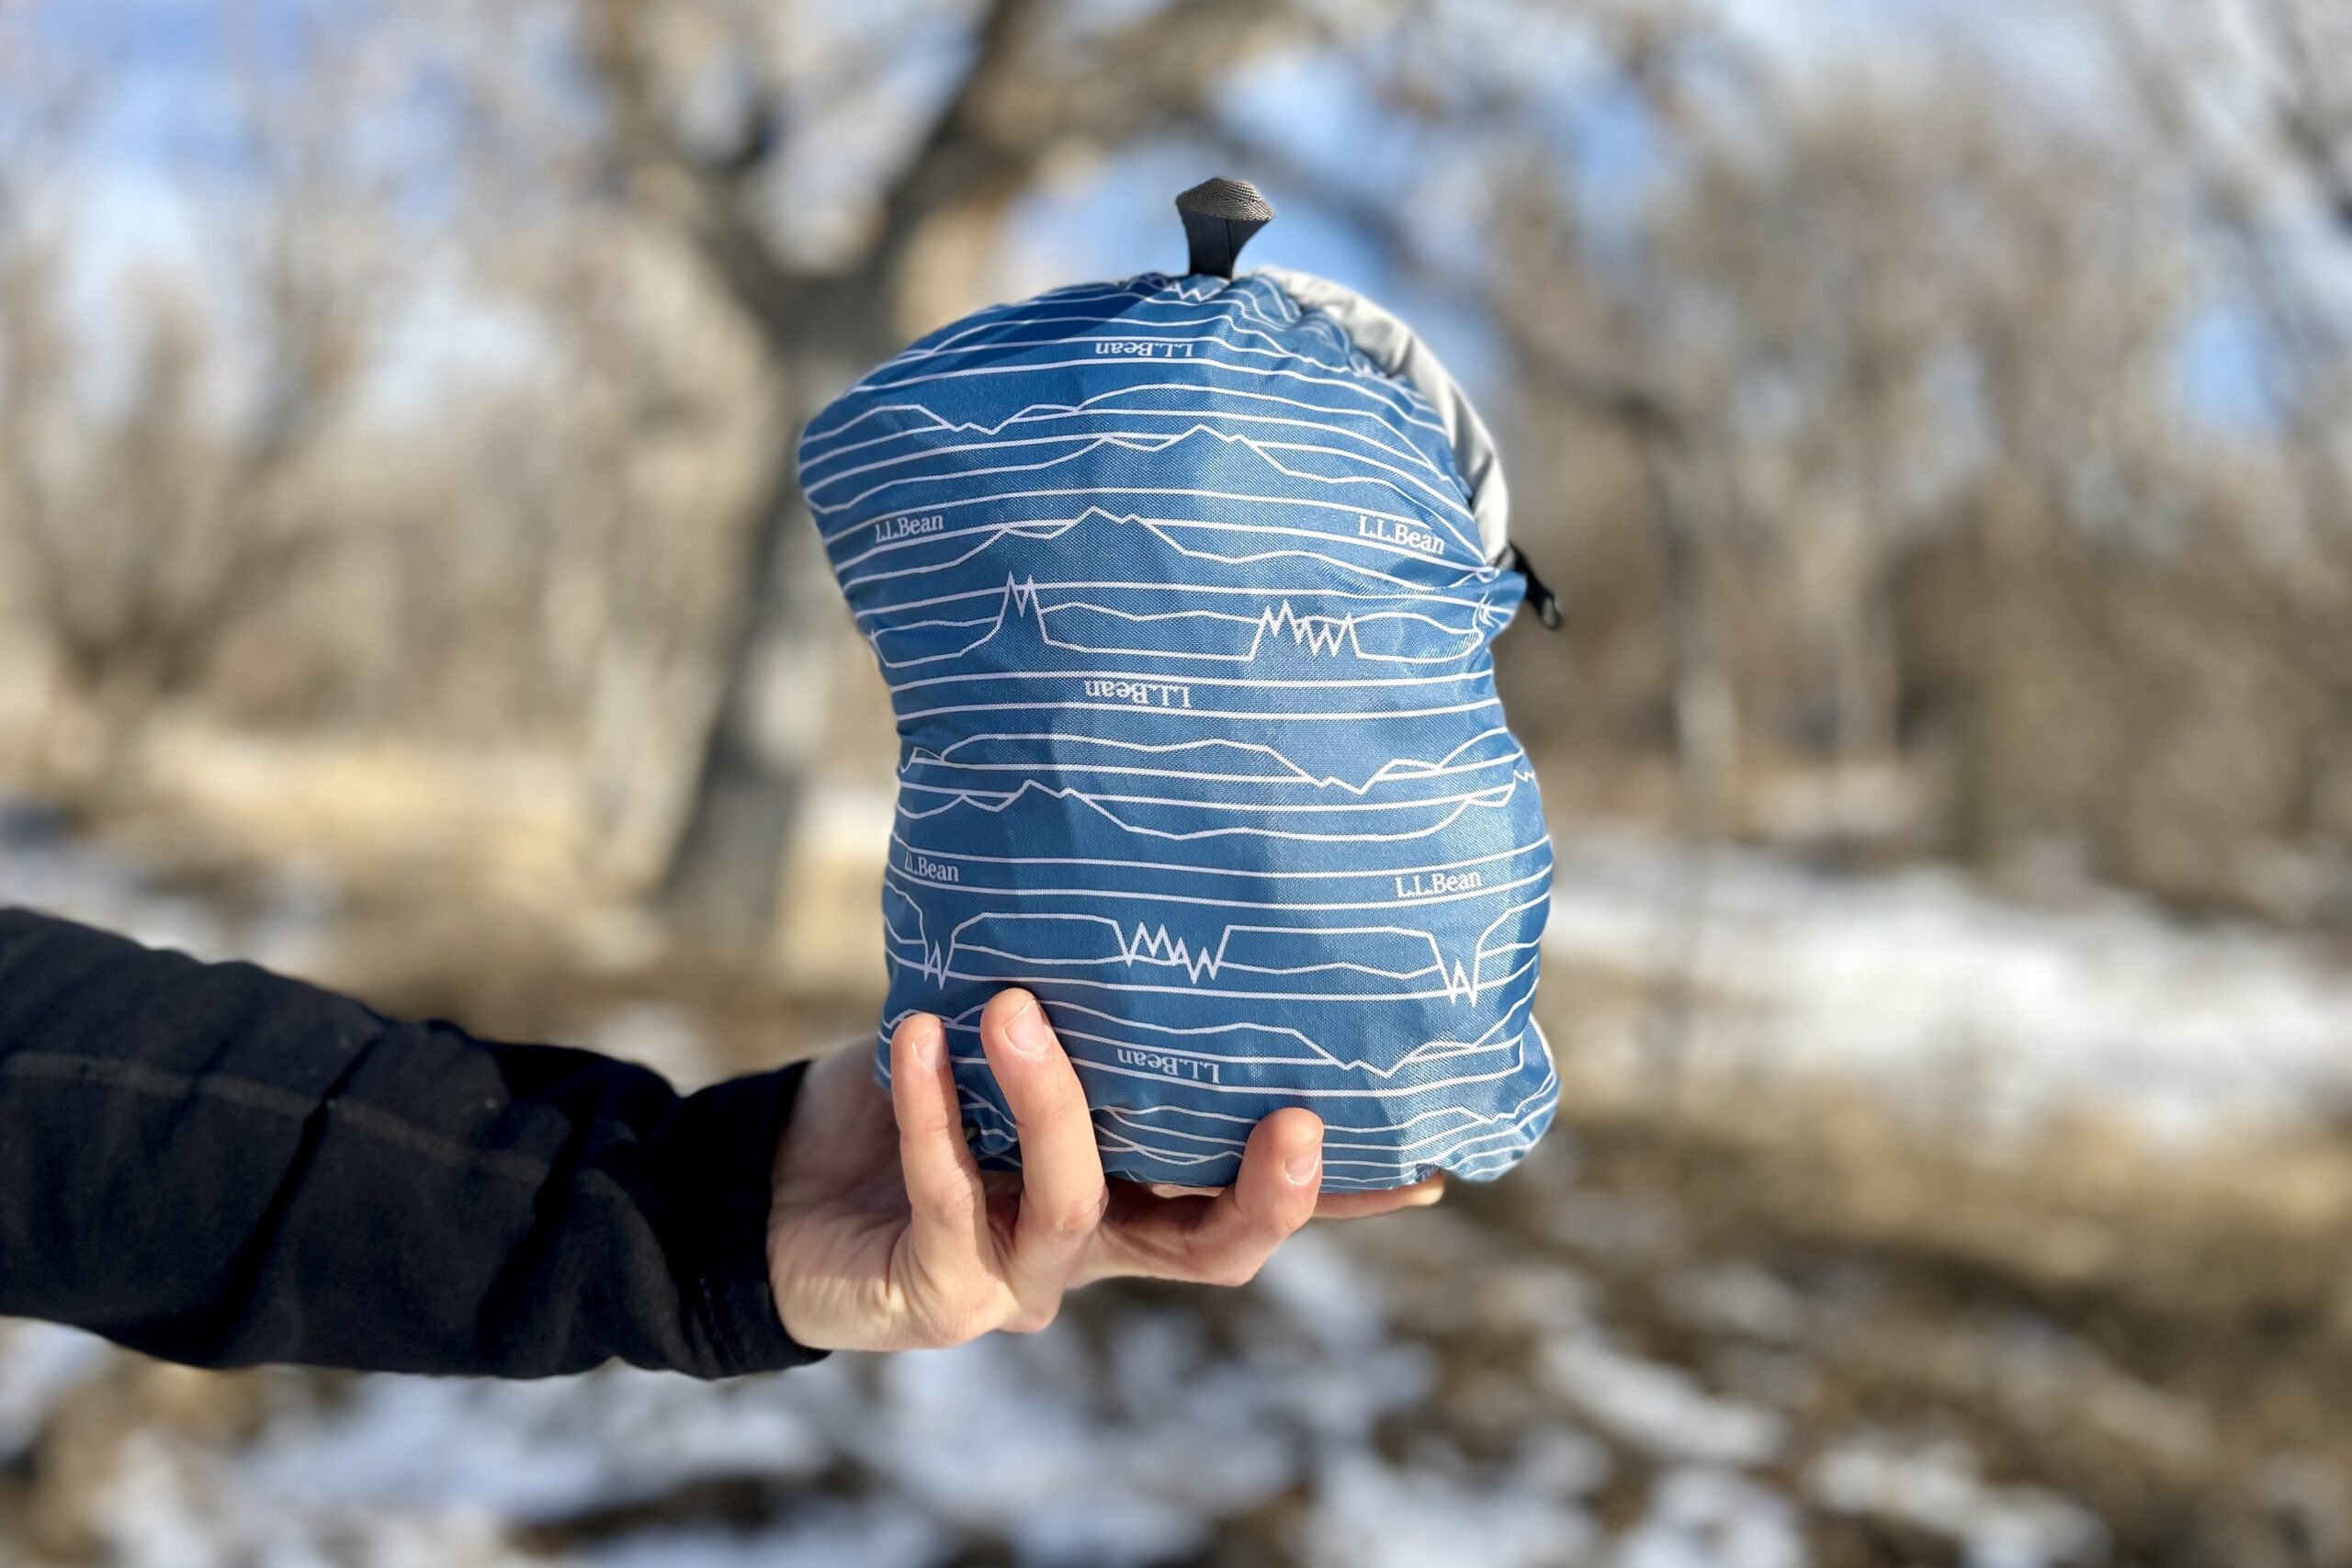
(724, 1151)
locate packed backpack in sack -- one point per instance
(1185, 590)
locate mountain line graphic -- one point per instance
(1310, 880)
(1438, 511)
(1495, 1052)
(1127, 323)
(1099, 535)
(1022, 606)
(1044, 751)
(1405, 954)
(1453, 808)
(1369, 393)
(1119, 402)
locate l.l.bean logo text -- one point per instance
(1141, 348)
(1167, 1066)
(1142, 694)
(922, 866)
(891, 529)
(1430, 884)
(1389, 530)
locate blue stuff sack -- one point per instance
(1186, 590)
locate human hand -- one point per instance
(884, 1233)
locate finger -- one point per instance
(1179, 1190)
(950, 1242)
(1226, 1239)
(1062, 1190)
(1363, 1206)
(1336, 1205)
(1281, 1178)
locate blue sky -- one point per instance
(167, 154)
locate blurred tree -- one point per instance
(2258, 147)
(1037, 79)
(150, 521)
(1857, 411)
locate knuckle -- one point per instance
(1077, 1217)
(1231, 1273)
(931, 1123)
(1035, 1318)
(944, 1198)
(964, 1317)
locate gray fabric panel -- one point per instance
(1396, 348)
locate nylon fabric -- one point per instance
(1187, 616)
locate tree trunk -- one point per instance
(1706, 726)
(771, 721)
(768, 730)
(1986, 770)
(1706, 708)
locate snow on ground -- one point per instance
(1935, 992)
(1657, 1408)
(40, 1364)
(1304, 1419)
(1067, 1451)
(43, 869)
(1934, 1485)
(1133, 1445)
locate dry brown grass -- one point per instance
(2164, 1339)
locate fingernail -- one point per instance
(926, 1044)
(1028, 1033)
(1304, 1165)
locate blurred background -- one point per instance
(1932, 412)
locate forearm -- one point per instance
(223, 1166)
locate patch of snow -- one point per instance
(1934, 1485)
(1541, 1294)
(1616, 1223)
(1556, 1461)
(1918, 981)
(1315, 1280)
(1737, 1298)
(2043, 1375)
(993, 1436)
(1657, 1408)
(528, 1451)
(40, 1364)
(656, 1035)
(1370, 1514)
(42, 868)
(1066, 1452)
(1704, 1518)
(882, 1534)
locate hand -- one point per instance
(885, 1235)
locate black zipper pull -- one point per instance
(1545, 603)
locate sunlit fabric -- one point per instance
(1187, 617)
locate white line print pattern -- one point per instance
(1269, 628)
(1188, 631)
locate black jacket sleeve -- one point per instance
(218, 1165)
